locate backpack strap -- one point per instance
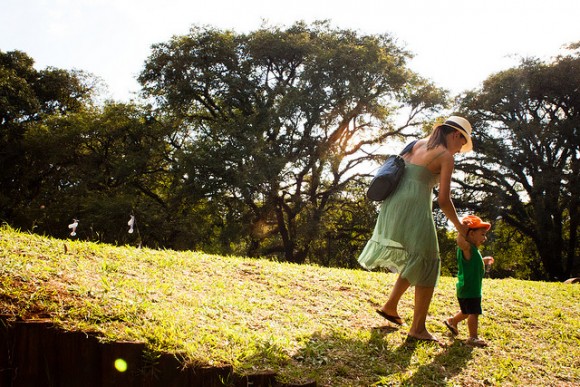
(408, 148)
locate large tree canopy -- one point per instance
(62, 156)
(27, 96)
(526, 169)
(258, 144)
(273, 124)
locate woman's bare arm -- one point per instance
(444, 199)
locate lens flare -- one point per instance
(121, 365)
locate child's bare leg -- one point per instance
(452, 322)
(455, 320)
(472, 324)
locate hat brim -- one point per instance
(468, 145)
(485, 225)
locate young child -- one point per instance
(470, 277)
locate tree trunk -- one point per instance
(252, 250)
(284, 231)
(551, 255)
(573, 240)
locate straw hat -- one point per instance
(464, 127)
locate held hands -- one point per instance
(462, 230)
(462, 239)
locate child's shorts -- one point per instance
(470, 305)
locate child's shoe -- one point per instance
(451, 327)
(476, 342)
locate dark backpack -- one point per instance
(388, 176)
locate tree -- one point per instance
(64, 157)
(27, 97)
(526, 165)
(515, 254)
(103, 165)
(273, 124)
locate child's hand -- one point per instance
(488, 260)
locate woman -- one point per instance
(404, 239)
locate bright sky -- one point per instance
(457, 43)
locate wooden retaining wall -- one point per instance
(36, 353)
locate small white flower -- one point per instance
(131, 223)
(73, 226)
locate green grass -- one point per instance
(303, 322)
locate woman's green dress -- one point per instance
(404, 239)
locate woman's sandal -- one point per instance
(431, 339)
(394, 319)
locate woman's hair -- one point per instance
(438, 136)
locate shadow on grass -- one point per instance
(383, 358)
(446, 362)
(444, 365)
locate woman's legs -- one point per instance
(401, 285)
(423, 295)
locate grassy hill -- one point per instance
(304, 322)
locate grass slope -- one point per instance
(304, 322)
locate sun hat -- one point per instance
(464, 127)
(475, 222)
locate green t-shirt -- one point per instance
(470, 275)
